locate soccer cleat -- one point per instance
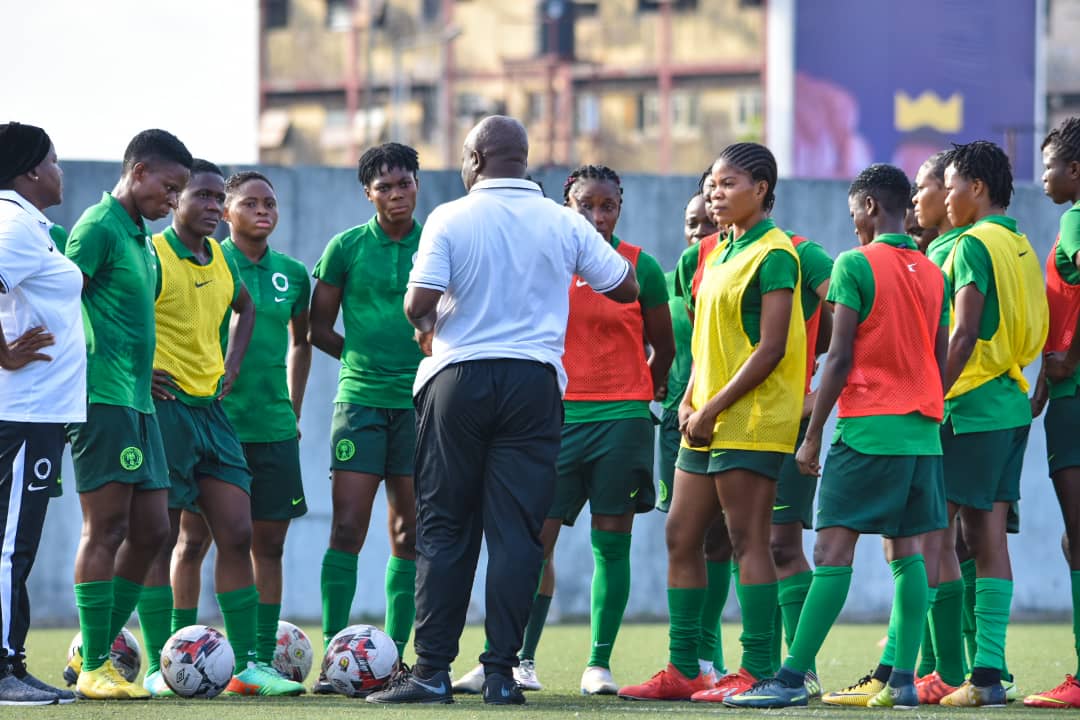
(261, 679)
(932, 688)
(968, 695)
(857, 695)
(502, 690)
(323, 686)
(524, 674)
(406, 687)
(1066, 695)
(18, 669)
(155, 685)
(472, 682)
(1012, 693)
(668, 684)
(769, 693)
(15, 692)
(905, 697)
(73, 668)
(725, 687)
(105, 683)
(598, 681)
(813, 685)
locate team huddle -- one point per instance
(175, 365)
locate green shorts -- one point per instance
(700, 462)
(374, 441)
(795, 491)
(1062, 423)
(117, 444)
(982, 468)
(889, 495)
(670, 437)
(610, 464)
(277, 490)
(201, 443)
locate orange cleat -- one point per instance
(727, 686)
(668, 684)
(1065, 695)
(932, 688)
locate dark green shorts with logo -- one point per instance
(199, 442)
(670, 437)
(701, 462)
(982, 468)
(889, 495)
(608, 463)
(795, 491)
(1062, 423)
(374, 441)
(277, 490)
(117, 444)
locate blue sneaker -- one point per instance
(769, 693)
(905, 697)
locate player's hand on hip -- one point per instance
(162, 385)
(23, 350)
(808, 455)
(227, 384)
(423, 339)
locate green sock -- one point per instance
(909, 597)
(400, 600)
(967, 572)
(95, 602)
(338, 585)
(537, 618)
(1075, 578)
(266, 620)
(238, 610)
(711, 647)
(758, 603)
(125, 598)
(888, 653)
(684, 628)
(993, 600)
(610, 591)
(823, 604)
(777, 638)
(155, 614)
(945, 625)
(791, 595)
(927, 657)
(182, 617)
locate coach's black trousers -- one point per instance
(29, 464)
(486, 450)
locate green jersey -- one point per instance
(1068, 246)
(683, 330)
(939, 248)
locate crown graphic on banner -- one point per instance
(928, 110)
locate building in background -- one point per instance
(642, 85)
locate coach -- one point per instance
(491, 283)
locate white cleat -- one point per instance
(471, 683)
(525, 675)
(598, 681)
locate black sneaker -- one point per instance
(15, 692)
(406, 687)
(502, 690)
(18, 669)
(323, 686)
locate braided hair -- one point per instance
(237, 180)
(885, 183)
(590, 172)
(388, 155)
(1064, 140)
(701, 180)
(758, 162)
(983, 160)
(938, 162)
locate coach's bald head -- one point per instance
(498, 147)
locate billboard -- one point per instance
(897, 81)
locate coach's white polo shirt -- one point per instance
(504, 256)
(39, 286)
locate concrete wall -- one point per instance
(318, 202)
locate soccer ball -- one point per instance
(125, 653)
(197, 662)
(292, 654)
(360, 660)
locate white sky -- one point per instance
(93, 73)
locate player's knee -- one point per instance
(345, 535)
(784, 551)
(681, 546)
(191, 550)
(403, 538)
(234, 540)
(832, 554)
(269, 551)
(108, 534)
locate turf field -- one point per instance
(1040, 655)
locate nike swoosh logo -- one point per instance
(277, 299)
(203, 284)
(36, 488)
(596, 644)
(581, 283)
(1023, 253)
(778, 508)
(297, 501)
(439, 689)
(911, 267)
(634, 494)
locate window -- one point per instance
(536, 110)
(339, 14)
(586, 8)
(748, 110)
(648, 115)
(587, 115)
(677, 5)
(276, 14)
(431, 10)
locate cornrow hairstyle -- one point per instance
(983, 160)
(198, 165)
(887, 184)
(1064, 140)
(701, 181)
(590, 172)
(237, 180)
(150, 145)
(757, 161)
(938, 162)
(389, 155)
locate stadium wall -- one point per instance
(317, 202)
